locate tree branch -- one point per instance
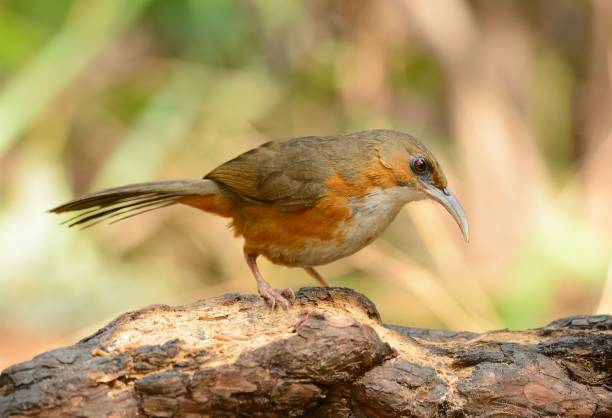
(329, 355)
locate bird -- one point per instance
(299, 202)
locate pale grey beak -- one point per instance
(447, 199)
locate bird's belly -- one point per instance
(366, 218)
(352, 236)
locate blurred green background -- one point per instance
(513, 96)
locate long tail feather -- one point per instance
(132, 199)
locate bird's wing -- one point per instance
(288, 174)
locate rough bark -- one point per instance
(329, 356)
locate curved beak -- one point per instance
(447, 199)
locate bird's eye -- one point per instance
(420, 165)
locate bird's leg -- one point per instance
(315, 275)
(272, 296)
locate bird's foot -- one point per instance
(282, 297)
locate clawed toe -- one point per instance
(282, 297)
(288, 293)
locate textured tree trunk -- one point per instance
(329, 356)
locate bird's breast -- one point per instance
(371, 214)
(336, 227)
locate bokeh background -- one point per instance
(513, 96)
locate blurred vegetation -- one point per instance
(513, 96)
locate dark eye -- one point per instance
(420, 165)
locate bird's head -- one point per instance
(418, 170)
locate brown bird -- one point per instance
(299, 202)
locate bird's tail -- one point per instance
(132, 200)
